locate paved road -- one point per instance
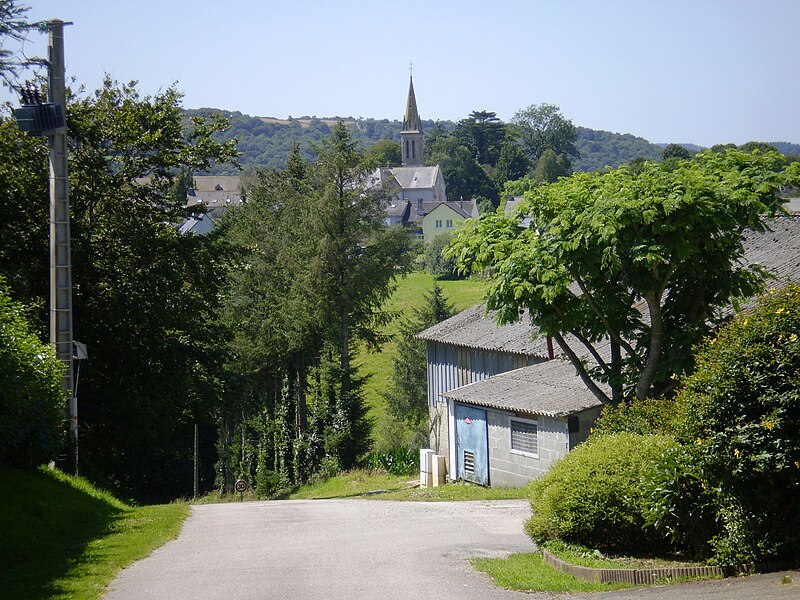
(354, 549)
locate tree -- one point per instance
(465, 178)
(551, 166)
(384, 153)
(542, 127)
(31, 398)
(512, 164)
(12, 27)
(483, 133)
(144, 295)
(407, 394)
(315, 266)
(638, 260)
(675, 151)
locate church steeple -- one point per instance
(411, 137)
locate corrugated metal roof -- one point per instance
(551, 388)
(473, 328)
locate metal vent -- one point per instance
(469, 462)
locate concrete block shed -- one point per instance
(509, 429)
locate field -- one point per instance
(408, 295)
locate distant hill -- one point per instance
(599, 149)
(265, 141)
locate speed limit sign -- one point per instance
(240, 486)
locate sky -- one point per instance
(686, 71)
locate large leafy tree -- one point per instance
(543, 127)
(638, 259)
(144, 295)
(484, 133)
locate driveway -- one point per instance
(353, 549)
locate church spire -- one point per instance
(412, 141)
(411, 121)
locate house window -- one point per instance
(525, 437)
(438, 223)
(413, 149)
(406, 148)
(449, 223)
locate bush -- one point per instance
(399, 461)
(435, 261)
(653, 415)
(32, 402)
(742, 407)
(595, 495)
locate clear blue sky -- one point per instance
(700, 71)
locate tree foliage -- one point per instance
(314, 266)
(32, 401)
(738, 479)
(542, 127)
(407, 394)
(641, 259)
(144, 295)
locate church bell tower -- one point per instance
(411, 138)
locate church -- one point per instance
(418, 193)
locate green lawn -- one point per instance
(408, 295)
(62, 538)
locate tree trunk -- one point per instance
(648, 373)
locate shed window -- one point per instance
(525, 437)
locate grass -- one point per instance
(586, 557)
(383, 486)
(527, 572)
(408, 295)
(352, 484)
(63, 538)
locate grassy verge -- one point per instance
(63, 538)
(527, 572)
(383, 486)
(586, 557)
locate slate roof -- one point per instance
(209, 183)
(411, 178)
(551, 388)
(473, 328)
(777, 250)
(213, 198)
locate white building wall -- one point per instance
(510, 468)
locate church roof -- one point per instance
(411, 120)
(416, 177)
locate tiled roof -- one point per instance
(473, 328)
(551, 388)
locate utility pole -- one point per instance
(60, 256)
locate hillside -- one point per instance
(265, 141)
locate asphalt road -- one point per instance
(353, 549)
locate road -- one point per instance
(353, 549)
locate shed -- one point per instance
(511, 428)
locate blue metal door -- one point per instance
(472, 444)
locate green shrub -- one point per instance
(31, 399)
(653, 415)
(742, 409)
(399, 461)
(595, 495)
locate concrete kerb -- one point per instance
(651, 576)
